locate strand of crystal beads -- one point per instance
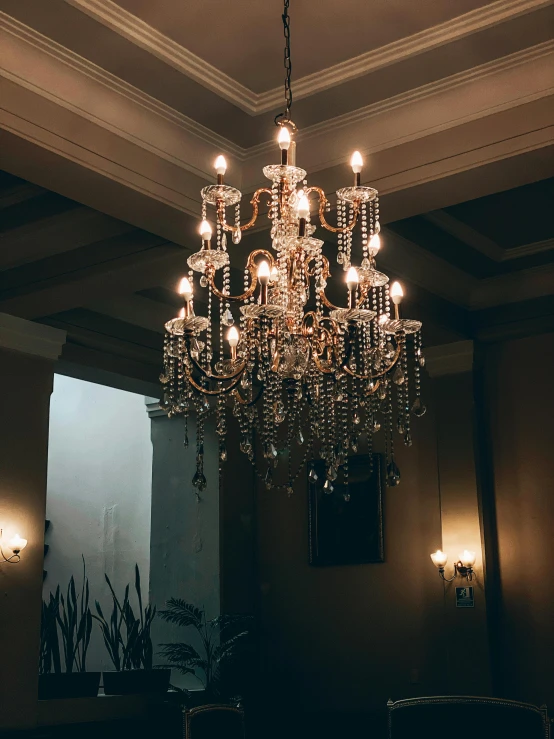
(237, 233)
(365, 254)
(418, 409)
(376, 213)
(340, 236)
(407, 434)
(348, 240)
(209, 348)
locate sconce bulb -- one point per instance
(16, 543)
(220, 165)
(439, 558)
(263, 272)
(396, 293)
(303, 207)
(467, 558)
(185, 289)
(205, 231)
(356, 162)
(233, 336)
(284, 138)
(352, 278)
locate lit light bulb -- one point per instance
(303, 207)
(233, 336)
(396, 293)
(220, 165)
(356, 162)
(439, 558)
(467, 558)
(263, 272)
(205, 231)
(185, 289)
(16, 543)
(374, 244)
(284, 138)
(352, 278)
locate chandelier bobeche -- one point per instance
(302, 377)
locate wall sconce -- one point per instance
(462, 568)
(16, 544)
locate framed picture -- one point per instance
(346, 526)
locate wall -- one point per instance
(99, 492)
(185, 528)
(348, 638)
(519, 375)
(26, 382)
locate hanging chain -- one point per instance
(285, 117)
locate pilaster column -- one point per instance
(28, 352)
(465, 629)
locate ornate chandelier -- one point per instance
(303, 377)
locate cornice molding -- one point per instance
(27, 337)
(513, 287)
(526, 250)
(449, 359)
(173, 54)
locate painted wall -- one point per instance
(185, 529)
(522, 411)
(26, 382)
(348, 638)
(99, 492)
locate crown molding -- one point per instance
(526, 250)
(27, 337)
(173, 54)
(449, 359)
(514, 287)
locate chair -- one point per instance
(460, 717)
(215, 721)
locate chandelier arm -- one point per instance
(255, 202)
(323, 202)
(251, 267)
(249, 403)
(221, 391)
(231, 376)
(365, 395)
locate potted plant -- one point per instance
(222, 638)
(129, 644)
(70, 617)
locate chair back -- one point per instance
(213, 721)
(460, 717)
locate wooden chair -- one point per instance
(460, 717)
(214, 721)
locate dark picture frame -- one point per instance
(346, 527)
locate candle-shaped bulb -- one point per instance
(205, 231)
(263, 272)
(467, 558)
(284, 138)
(185, 289)
(352, 278)
(396, 293)
(17, 543)
(374, 244)
(220, 165)
(439, 558)
(233, 336)
(356, 162)
(303, 207)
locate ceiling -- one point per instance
(111, 115)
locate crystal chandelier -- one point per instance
(303, 377)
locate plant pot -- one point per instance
(133, 682)
(68, 685)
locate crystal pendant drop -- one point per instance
(312, 475)
(356, 419)
(382, 392)
(237, 236)
(328, 487)
(421, 360)
(408, 439)
(186, 441)
(418, 409)
(290, 491)
(280, 411)
(199, 481)
(270, 451)
(224, 241)
(245, 380)
(203, 281)
(400, 426)
(366, 264)
(393, 474)
(299, 437)
(346, 497)
(228, 319)
(268, 478)
(340, 258)
(332, 473)
(398, 376)
(354, 444)
(376, 426)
